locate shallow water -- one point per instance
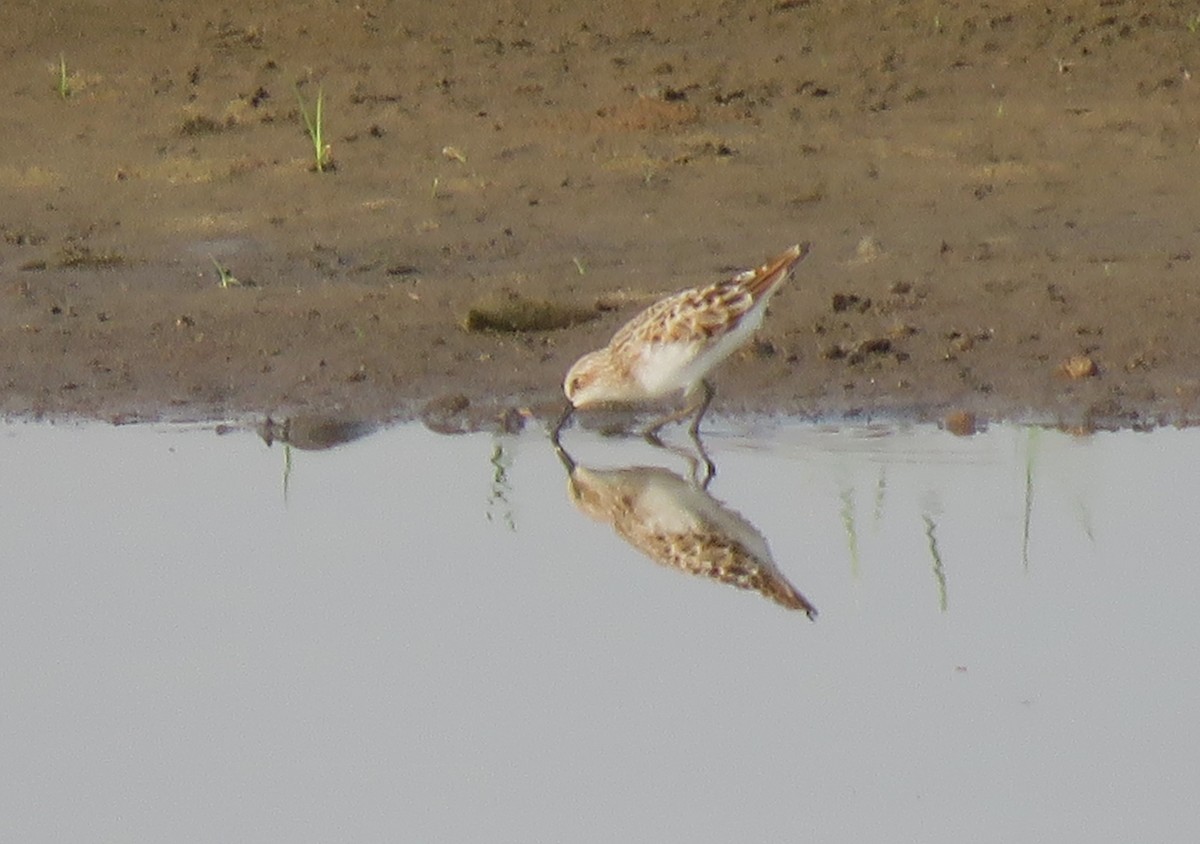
(423, 637)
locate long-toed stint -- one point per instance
(673, 345)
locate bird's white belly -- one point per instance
(669, 367)
(666, 368)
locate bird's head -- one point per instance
(587, 381)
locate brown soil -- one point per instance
(1002, 202)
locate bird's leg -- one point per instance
(692, 407)
(651, 433)
(694, 461)
(651, 436)
(558, 426)
(687, 456)
(710, 468)
(694, 428)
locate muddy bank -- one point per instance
(1000, 204)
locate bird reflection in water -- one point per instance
(678, 523)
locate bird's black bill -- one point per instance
(561, 423)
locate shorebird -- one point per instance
(672, 345)
(679, 524)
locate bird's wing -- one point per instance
(690, 315)
(701, 313)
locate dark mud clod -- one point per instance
(514, 313)
(80, 256)
(313, 432)
(850, 302)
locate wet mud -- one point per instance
(999, 199)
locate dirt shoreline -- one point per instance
(1001, 204)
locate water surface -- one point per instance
(418, 637)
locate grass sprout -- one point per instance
(224, 276)
(314, 122)
(939, 569)
(851, 527)
(498, 501)
(64, 79)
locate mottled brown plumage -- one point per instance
(680, 525)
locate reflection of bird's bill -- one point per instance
(679, 524)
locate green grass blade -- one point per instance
(314, 123)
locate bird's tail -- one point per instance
(764, 279)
